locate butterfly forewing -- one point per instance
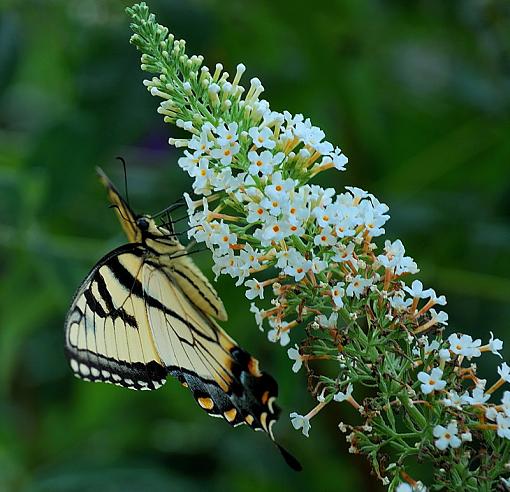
(108, 337)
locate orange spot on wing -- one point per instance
(206, 403)
(230, 415)
(253, 367)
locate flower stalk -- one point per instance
(314, 262)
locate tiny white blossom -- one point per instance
(262, 138)
(431, 382)
(444, 354)
(466, 437)
(479, 397)
(227, 134)
(297, 266)
(300, 422)
(440, 317)
(503, 423)
(264, 162)
(447, 436)
(294, 355)
(505, 403)
(491, 413)
(398, 302)
(326, 322)
(495, 345)
(343, 252)
(455, 400)
(338, 292)
(464, 345)
(226, 153)
(357, 286)
(255, 289)
(441, 300)
(416, 290)
(342, 396)
(274, 335)
(259, 318)
(504, 372)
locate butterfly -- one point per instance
(145, 311)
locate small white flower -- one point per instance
(263, 163)
(416, 290)
(441, 300)
(339, 159)
(223, 238)
(225, 154)
(343, 253)
(357, 286)
(455, 400)
(338, 292)
(326, 322)
(464, 345)
(504, 372)
(466, 436)
(431, 382)
(440, 317)
(259, 315)
(491, 413)
(262, 138)
(297, 266)
(273, 230)
(294, 355)
(503, 423)
(280, 188)
(342, 396)
(281, 336)
(505, 402)
(322, 397)
(398, 302)
(256, 213)
(479, 397)
(444, 354)
(447, 436)
(255, 289)
(325, 237)
(300, 422)
(227, 134)
(495, 345)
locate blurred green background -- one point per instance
(416, 93)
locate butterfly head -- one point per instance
(149, 229)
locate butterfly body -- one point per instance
(146, 311)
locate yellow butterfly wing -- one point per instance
(224, 379)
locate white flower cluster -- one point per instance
(256, 211)
(450, 355)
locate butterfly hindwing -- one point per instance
(224, 379)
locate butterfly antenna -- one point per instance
(173, 206)
(121, 159)
(189, 253)
(176, 221)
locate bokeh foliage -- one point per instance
(417, 94)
